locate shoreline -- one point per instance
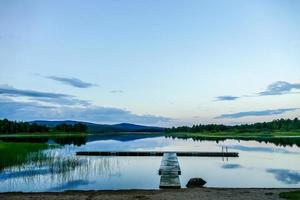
(166, 194)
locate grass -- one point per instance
(58, 134)
(13, 153)
(293, 195)
(289, 138)
(277, 138)
(31, 158)
(236, 134)
(229, 135)
(61, 138)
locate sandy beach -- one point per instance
(172, 194)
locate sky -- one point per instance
(163, 63)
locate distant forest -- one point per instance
(275, 125)
(7, 127)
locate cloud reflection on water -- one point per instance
(231, 166)
(260, 149)
(70, 185)
(285, 175)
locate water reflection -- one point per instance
(11, 174)
(231, 166)
(62, 172)
(70, 185)
(77, 140)
(283, 141)
(259, 149)
(43, 167)
(285, 175)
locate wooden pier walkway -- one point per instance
(169, 171)
(156, 153)
(169, 167)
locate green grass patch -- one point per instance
(61, 138)
(15, 154)
(293, 195)
(48, 134)
(31, 158)
(236, 134)
(277, 138)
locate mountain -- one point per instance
(100, 128)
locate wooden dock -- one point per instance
(169, 167)
(168, 163)
(169, 171)
(156, 153)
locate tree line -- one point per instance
(7, 127)
(77, 127)
(275, 125)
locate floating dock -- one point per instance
(169, 171)
(156, 153)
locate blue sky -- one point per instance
(150, 62)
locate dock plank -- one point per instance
(169, 163)
(169, 171)
(156, 153)
(169, 181)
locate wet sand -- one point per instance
(167, 194)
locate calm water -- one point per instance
(56, 168)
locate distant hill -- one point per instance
(100, 128)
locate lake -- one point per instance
(50, 163)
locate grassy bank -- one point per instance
(277, 138)
(47, 134)
(61, 138)
(293, 195)
(30, 159)
(230, 135)
(13, 154)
